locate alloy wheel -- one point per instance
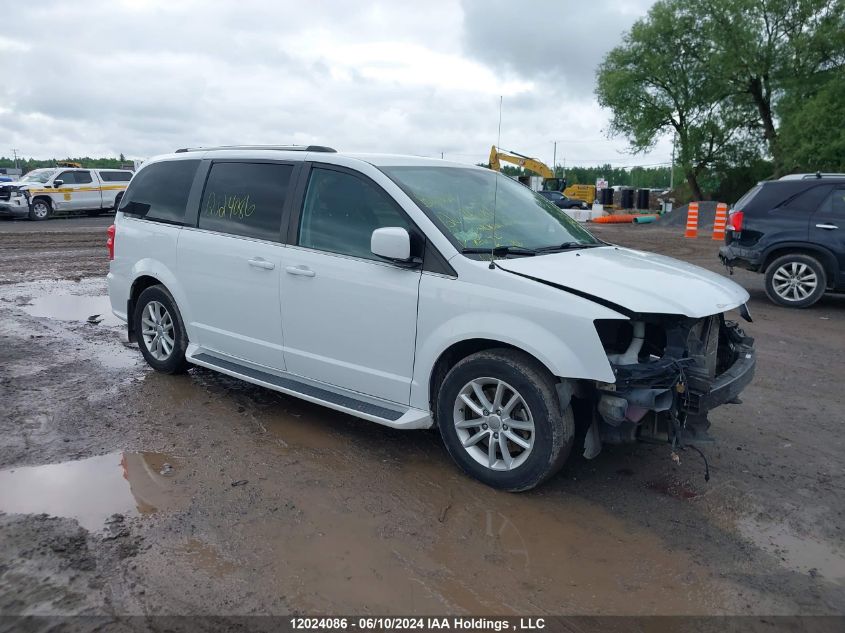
(40, 209)
(794, 281)
(157, 330)
(494, 424)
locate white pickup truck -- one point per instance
(42, 192)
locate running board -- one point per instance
(406, 418)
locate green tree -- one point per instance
(659, 81)
(812, 132)
(760, 49)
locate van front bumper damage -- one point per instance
(670, 372)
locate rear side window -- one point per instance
(341, 211)
(810, 199)
(245, 199)
(160, 191)
(116, 176)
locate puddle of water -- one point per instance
(89, 490)
(73, 308)
(801, 553)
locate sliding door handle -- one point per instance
(303, 271)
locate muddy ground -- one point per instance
(126, 491)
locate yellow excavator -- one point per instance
(581, 193)
(531, 164)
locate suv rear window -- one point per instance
(747, 198)
(245, 199)
(160, 191)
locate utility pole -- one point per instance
(554, 160)
(672, 168)
(441, 155)
(15, 152)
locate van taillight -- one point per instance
(735, 220)
(110, 241)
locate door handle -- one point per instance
(258, 262)
(827, 227)
(304, 271)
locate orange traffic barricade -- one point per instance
(720, 222)
(692, 220)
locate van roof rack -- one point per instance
(285, 148)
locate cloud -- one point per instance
(143, 77)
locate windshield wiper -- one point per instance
(500, 251)
(567, 246)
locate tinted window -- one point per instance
(341, 211)
(810, 199)
(160, 191)
(835, 203)
(245, 199)
(83, 177)
(116, 176)
(747, 198)
(67, 177)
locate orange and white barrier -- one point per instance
(720, 222)
(692, 220)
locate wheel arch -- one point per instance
(148, 273)
(828, 260)
(140, 283)
(455, 353)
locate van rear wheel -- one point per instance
(500, 418)
(160, 331)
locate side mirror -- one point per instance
(58, 183)
(392, 243)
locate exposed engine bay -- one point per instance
(670, 371)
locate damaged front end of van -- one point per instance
(670, 371)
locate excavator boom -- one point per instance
(531, 164)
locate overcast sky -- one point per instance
(144, 77)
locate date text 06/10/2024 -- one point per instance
(467, 624)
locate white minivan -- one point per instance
(416, 292)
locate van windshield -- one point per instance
(461, 201)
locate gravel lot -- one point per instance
(125, 491)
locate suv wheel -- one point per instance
(796, 280)
(160, 330)
(40, 209)
(500, 418)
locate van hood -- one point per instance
(636, 280)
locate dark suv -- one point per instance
(562, 201)
(793, 231)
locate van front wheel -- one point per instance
(500, 418)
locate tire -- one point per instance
(40, 209)
(551, 431)
(795, 280)
(154, 346)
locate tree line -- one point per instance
(749, 89)
(28, 164)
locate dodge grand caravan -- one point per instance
(414, 293)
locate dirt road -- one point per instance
(126, 491)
